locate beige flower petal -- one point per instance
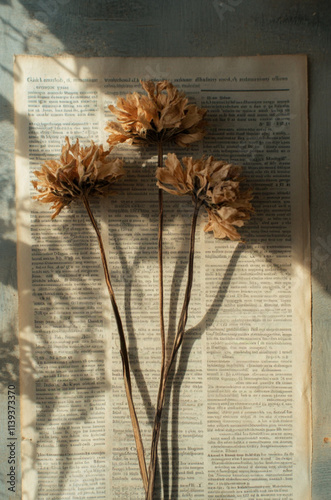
(80, 171)
(161, 115)
(214, 184)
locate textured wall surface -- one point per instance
(180, 28)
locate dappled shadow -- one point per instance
(172, 405)
(128, 275)
(131, 256)
(61, 346)
(63, 370)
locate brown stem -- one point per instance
(177, 342)
(123, 351)
(160, 260)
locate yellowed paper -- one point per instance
(237, 423)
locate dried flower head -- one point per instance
(80, 171)
(214, 184)
(160, 116)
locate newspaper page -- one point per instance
(236, 424)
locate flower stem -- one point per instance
(160, 260)
(177, 343)
(123, 351)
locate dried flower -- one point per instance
(214, 184)
(81, 171)
(222, 222)
(160, 116)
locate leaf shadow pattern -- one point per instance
(176, 380)
(59, 385)
(178, 276)
(131, 334)
(128, 277)
(70, 381)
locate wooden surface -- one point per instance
(180, 28)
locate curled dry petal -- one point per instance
(80, 171)
(216, 185)
(174, 175)
(222, 222)
(164, 114)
